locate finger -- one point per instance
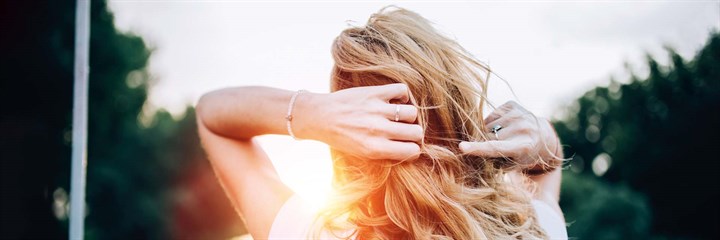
(493, 116)
(406, 132)
(502, 110)
(495, 149)
(496, 114)
(502, 121)
(497, 135)
(510, 120)
(400, 151)
(396, 92)
(508, 127)
(402, 113)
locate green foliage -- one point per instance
(659, 133)
(595, 209)
(144, 181)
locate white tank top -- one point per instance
(295, 218)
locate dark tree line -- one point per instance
(661, 134)
(146, 179)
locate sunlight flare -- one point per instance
(305, 166)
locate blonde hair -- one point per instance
(444, 194)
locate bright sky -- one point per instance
(549, 52)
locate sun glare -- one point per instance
(305, 166)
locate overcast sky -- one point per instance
(549, 52)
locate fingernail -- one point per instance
(463, 146)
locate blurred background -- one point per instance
(633, 89)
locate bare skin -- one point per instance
(357, 121)
(525, 140)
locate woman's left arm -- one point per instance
(356, 120)
(226, 129)
(373, 122)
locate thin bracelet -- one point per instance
(289, 116)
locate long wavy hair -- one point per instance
(444, 194)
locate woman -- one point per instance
(413, 156)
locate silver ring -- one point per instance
(495, 129)
(397, 112)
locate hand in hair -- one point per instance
(358, 121)
(361, 121)
(526, 142)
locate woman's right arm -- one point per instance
(528, 145)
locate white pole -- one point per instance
(79, 125)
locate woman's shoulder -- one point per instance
(295, 220)
(550, 220)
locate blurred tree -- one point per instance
(657, 137)
(147, 177)
(595, 209)
(36, 85)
